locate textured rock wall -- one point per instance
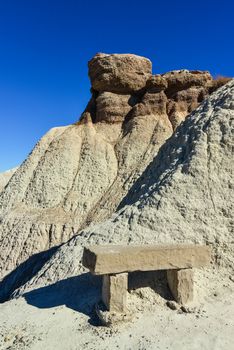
(77, 175)
(184, 195)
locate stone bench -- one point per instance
(115, 262)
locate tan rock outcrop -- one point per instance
(183, 103)
(151, 104)
(156, 83)
(185, 195)
(119, 73)
(79, 174)
(184, 79)
(112, 107)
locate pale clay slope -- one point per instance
(5, 177)
(78, 175)
(72, 171)
(190, 202)
(185, 195)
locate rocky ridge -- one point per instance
(79, 174)
(184, 195)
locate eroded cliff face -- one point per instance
(124, 87)
(77, 175)
(185, 195)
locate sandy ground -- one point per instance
(30, 323)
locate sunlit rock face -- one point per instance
(119, 73)
(185, 195)
(78, 174)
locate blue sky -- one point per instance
(45, 46)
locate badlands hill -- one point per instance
(165, 181)
(79, 174)
(5, 177)
(184, 195)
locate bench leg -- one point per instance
(181, 284)
(114, 292)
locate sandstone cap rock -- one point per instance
(184, 79)
(119, 73)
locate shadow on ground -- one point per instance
(156, 280)
(82, 292)
(23, 273)
(78, 293)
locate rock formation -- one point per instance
(123, 73)
(79, 174)
(184, 195)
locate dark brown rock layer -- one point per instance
(123, 87)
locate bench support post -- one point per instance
(181, 284)
(114, 292)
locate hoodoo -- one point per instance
(79, 174)
(183, 196)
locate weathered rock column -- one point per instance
(181, 284)
(114, 292)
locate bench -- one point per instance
(115, 262)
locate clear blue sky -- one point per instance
(45, 46)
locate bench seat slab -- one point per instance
(115, 259)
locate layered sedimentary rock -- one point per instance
(77, 175)
(185, 90)
(113, 108)
(184, 79)
(184, 195)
